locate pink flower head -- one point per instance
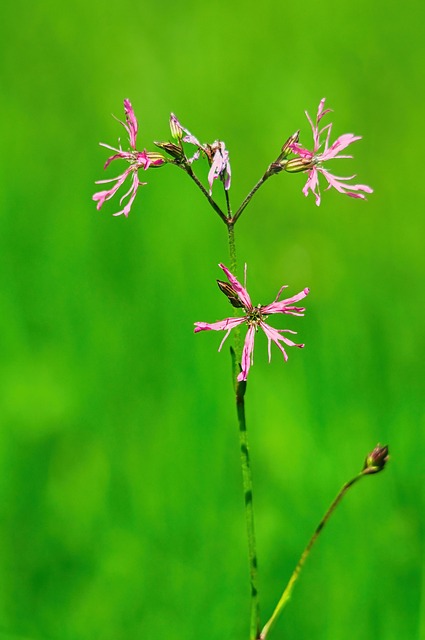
(136, 159)
(255, 318)
(311, 161)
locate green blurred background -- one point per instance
(120, 490)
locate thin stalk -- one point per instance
(289, 587)
(217, 209)
(249, 511)
(250, 196)
(229, 208)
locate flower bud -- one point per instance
(172, 149)
(376, 460)
(175, 128)
(155, 159)
(295, 165)
(230, 293)
(287, 147)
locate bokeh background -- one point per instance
(120, 491)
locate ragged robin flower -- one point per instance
(136, 159)
(255, 318)
(312, 161)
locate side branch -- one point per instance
(188, 169)
(249, 197)
(294, 577)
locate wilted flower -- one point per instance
(255, 318)
(137, 159)
(220, 167)
(216, 153)
(177, 130)
(311, 161)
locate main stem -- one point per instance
(289, 587)
(249, 510)
(232, 245)
(240, 388)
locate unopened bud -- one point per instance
(376, 460)
(230, 293)
(295, 165)
(174, 150)
(175, 128)
(282, 160)
(155, 159)
(287, 147)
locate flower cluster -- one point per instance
(302, 160)
(216, 154)
(312, 161)
(255, 318)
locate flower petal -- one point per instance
(122, 155)
(131, 126)
(133, 191)
(247, 354)
(337, 182)
(222, 325)
(274, 335)
(101, 196)
(340, 143)
(240, 290)
(321, 111)
(286, 306)
(312, 185)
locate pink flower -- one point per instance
(255, 318)
(137, 160)
(311, 161)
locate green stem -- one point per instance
(232, 245)
(289, 587)
(229, 208)
(240, 388)
(250, 196)
(188, 169)
(249, 511)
